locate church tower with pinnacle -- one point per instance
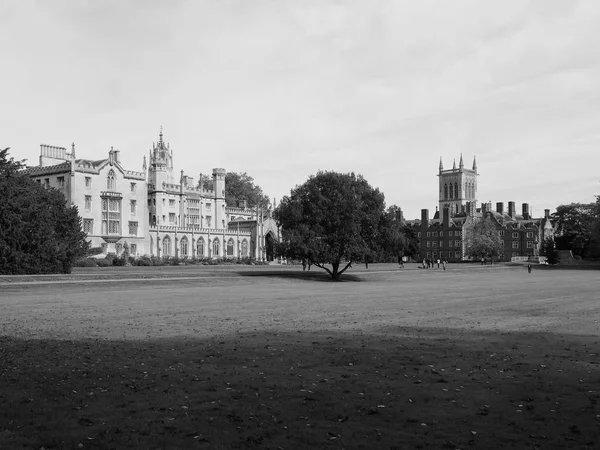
(160, 174)
(458, 188)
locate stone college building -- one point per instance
(441, 237)
(149, 212)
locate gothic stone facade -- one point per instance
(148, 213)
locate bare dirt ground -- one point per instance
(264, 357)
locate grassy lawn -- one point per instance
(263, 357)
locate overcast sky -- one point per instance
(281, 89)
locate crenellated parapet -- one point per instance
(198, 230)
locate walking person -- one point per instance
(400, 262)
(529, 268)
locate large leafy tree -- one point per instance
(574, 224)
(39, 233)
(482, 239)
(241, 186)
(331, 219)
(396, 238)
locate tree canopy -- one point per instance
(331, 219)
(575, 224)
(482, 239)
(395, 239)
(39, 233)
(241, 186)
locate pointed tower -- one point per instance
(160, 173)
(458, 188)
(474, 165)
(441, 165)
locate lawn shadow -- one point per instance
(407, 387)
(308, 275)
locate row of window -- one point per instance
(515, 244)
(441, 243)
(200, 247)
(60, 181)
(441, 233)
(441, 255)
(111, 182)
(110, 226)
(451, 191)
(115, 206)
(515, 234)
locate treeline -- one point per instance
(578, 229)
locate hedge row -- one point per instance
(113, 260)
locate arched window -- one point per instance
(215, 247)
(455, 190)
(110, 181)
(450, 192)
(244, 248)
(184, 247)
(166, 246)
(445, 192)
(230, 247)
(200, 248)
(151, 246)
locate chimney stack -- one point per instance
(425, 218)
(546, 214)
(500, 207)
(525, 209)
(511, 209)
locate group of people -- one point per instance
(430, 263)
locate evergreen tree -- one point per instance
(39, 233)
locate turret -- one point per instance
(219, 193)
(441, 165)
(460, 164)
(474, 164)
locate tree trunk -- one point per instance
(334, 270)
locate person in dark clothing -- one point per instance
(529, 268)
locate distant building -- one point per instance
(441, 237)
(148, 213)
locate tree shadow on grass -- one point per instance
(304, 275)
(405, 388)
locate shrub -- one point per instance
(103, 263)
(120, 261)
(86, 262)
(143, 261)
